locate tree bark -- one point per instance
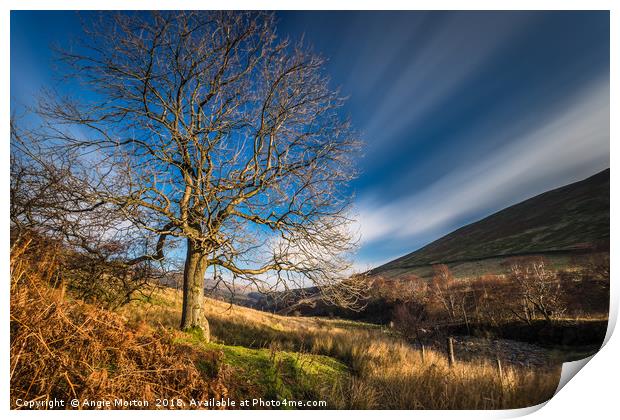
(193, 289)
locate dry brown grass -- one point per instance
(385, 371)
(67, 349)
(393, 375)
(63, 348)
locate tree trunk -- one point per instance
(193, 289)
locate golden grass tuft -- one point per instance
(67, 349)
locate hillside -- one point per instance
(570, 218)
(63, 349)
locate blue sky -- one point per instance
(462, 113)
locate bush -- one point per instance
(94, 277)
(66, 349)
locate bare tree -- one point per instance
(410, 313)
(49, 201)
(538, 290)
(444, 290)
(596, 267)
(489, 294)
(207, 127)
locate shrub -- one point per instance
(63, 348)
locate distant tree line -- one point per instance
(530, 291)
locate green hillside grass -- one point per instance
(567, 219)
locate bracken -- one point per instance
(67, 349)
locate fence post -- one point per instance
(450, 351)
(423, 353)
(501, 382)
(499, 369)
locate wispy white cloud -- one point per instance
(569, 145)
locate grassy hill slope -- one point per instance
(348, 364)
(63, 349)
(570, 218)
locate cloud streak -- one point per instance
(569, 144)
(454, 52)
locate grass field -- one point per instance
(63, 348)
(349, 364)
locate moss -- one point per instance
(152, 299)
(272, 374)
(284, 374)
(196, 335)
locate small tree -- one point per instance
(489, 294)
(49, 202)
(538, 290)
(206, 127)
(410, 312)
(596, 267)
(445, 291)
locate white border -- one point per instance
(592, 395)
